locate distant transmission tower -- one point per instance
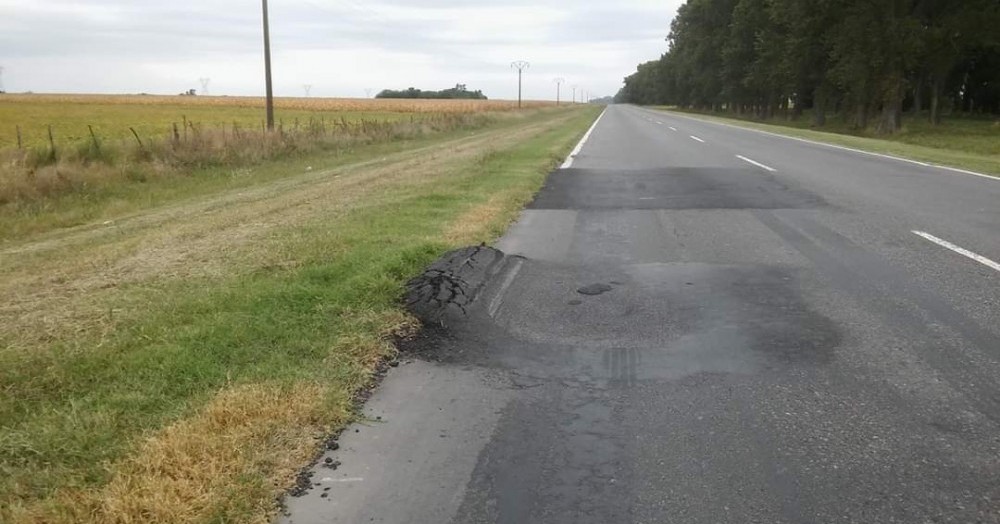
(574, 93)
(559, 82)
(520, 65)
(1, 79)
(204, 85)
(307, 88)
(368, 92)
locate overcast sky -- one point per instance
(340, 47)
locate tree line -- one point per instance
(457, 92)
(868, 61)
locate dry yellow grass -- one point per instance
(186, 472)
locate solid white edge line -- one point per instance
(960, 250)
(698, 139)
(576, 150)
(844, 148)
(758, 164)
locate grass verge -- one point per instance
(965, 144)
(181, 364)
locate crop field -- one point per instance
(105, 150)
(112, 116)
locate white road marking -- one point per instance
(758, 164)
(845, 148)
(659, 123)
(345, 479)
(673, 128)
(698, 139)
(960, 250)
(576, 151)
(498, 299)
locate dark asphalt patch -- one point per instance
(670, 188)
(443, 291)
(594, 289)
(675, 319)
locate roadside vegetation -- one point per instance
(181, 358)
(877, 66)
(107, 160)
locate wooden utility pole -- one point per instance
(267, 70)
(520, 65)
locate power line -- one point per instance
(520, 65)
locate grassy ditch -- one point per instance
(966, 143)
(180, 364)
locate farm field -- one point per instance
(85, 178)
(180, 357)
(111, 116)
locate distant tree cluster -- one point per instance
(457, 92)
(865, 60)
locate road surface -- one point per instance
(776, 331)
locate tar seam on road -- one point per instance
(758, 164)
(498, 299)
(698, 139)
(576, 151)
(960, 250)
(851, 149)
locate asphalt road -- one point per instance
(768, 340)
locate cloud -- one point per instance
(341, 47)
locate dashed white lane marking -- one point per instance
(960, 250)
(673, 128)
(845, 148)
(659, 123)
(698, 139)
(758, 164)
(576, 151)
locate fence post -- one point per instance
(52, 145)
(136, 135)
(93, 139)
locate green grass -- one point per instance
(78, 403)
(966, 143)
